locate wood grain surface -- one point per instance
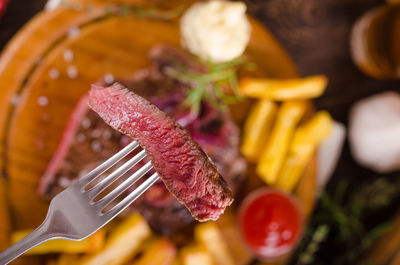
(4, 217)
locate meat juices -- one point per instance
(186, 170)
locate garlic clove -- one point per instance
(374, 132)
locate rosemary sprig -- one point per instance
(319, 235)
(347, 213)
(218, 85)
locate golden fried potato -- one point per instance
(123, 243)
(305, 141)
(274, 154)
(161, 252)
(306, 188)
(195, 255)
(257, 128)
(67, 259)
(91, 244)
(284, 89)
(210, 236)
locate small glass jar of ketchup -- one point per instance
(271, 223)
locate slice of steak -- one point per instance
(188, 173)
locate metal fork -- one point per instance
(74, 214)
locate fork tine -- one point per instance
(122, 205)
(103, 202)
(85, 180)
(114, 176)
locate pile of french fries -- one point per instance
(279, 136)
(131, 242)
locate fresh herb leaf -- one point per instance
(347, 213)
(218, 85)
(318, 236)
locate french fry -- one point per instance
(91, 244)
(161, 252)
(306, 188)
(67, 259)
(123, 243)
(195, 255)
(210, 236)
(273, 155)
(228, 225)
(256, 129)
(176, 261)
(284, 89)
(305, 142)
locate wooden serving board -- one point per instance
(34, 72)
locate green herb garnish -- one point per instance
(218, 85)
(318, 236)
(342, 221)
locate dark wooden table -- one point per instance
(315, 33)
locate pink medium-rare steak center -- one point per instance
(186, 170)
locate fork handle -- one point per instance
(38, 236)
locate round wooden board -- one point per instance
(31, 130)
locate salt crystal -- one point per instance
(43, 101)
(64, 182)
(72, 72)
(74, 32)
(15, 99)
(109, 79)
(107, 134)
(85, 123)
(68, 55)
(81, 137)
(54, 73)
(97, 146)
(96, 133)
(125, 140)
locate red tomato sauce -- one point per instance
(271, 223)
